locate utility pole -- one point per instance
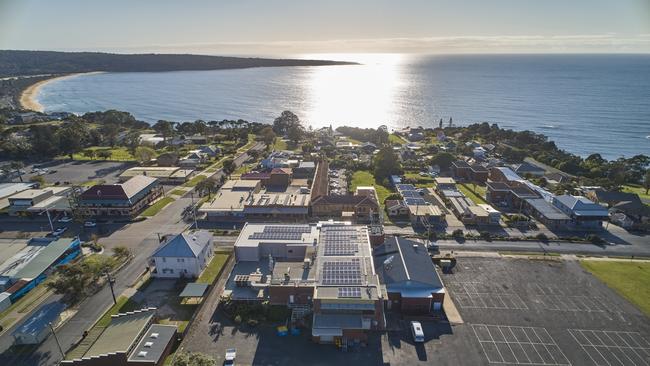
(56, 339)
(47, 211)
(111, 282)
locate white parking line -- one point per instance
(609, 350)
(518, 347)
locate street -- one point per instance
(142, 239)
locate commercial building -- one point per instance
(325, 268)
(125, 200)
(166, 175)
(357, 207)
(584, 214)
(304, 170)
(410, 277)
(36, 201)
(274, 207)
(130, 339)
(183, 256)
(275, 178)
(9, 189)
(546, 213)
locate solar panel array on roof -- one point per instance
(342, 272)
(405, 187)
(415, 201)
(411, 194)
(281, 233)
(352, 292)
(341, 248)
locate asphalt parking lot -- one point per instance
(77, 172)
(515, 312)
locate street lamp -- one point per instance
(111, 282)
(56, 339)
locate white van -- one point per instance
(418, 333)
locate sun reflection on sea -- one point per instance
(356, 95)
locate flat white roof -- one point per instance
(250, 231)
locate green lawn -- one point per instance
(280, 144)
(474, 196)
(212, 270)
(251, 143)
(117, 154)
(421, 181)
(365, 178)
(194, 181)
(394, 139)
(636, 189)
(178, 192)
(156, 207)
(629, 279)
(91, 183)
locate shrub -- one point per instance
(237, 319)
(458, 233)
(595, 239)
(486, 235)
(252, 322)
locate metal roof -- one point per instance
(45, 258)
(545, 209)
(48, 313)
(184, 245)
(194, 289)
(122, 332)
(153, 344)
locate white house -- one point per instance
(184, 255)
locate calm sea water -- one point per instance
(586, 103)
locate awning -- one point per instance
(194, 290)
(320, 332)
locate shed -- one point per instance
(36, 328)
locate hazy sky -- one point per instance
(289, 27)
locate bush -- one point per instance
(237, 319)
(458, 233)
(595, 239)
(252, 322)
(542, 237)
(486, 235)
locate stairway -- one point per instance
(299, 311)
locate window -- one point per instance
(164, 260)
(180, 260)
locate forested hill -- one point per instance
(17, 63)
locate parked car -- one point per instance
(65, 219)
(231, 353)
(59, 231)
(90, 224)
(418, 333)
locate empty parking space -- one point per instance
(609, 348)
(476, 295)
(518, 345)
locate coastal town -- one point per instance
(214, 242)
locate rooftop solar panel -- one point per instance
(352, 292)
(411, 194)
(342, 272)
(415, 201)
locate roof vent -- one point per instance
(142, 354)
(154, 335)
(148, 344)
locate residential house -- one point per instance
(125, 200)
(463, 171)
(525, 169)
(546, 213)
(183, 256)
(396, 208)
(169, 159)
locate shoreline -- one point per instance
(27, 99)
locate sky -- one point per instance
(283, 27)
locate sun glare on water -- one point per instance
(355, 95)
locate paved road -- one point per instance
(142, 238)
(552, 247)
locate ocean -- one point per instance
(585, 103)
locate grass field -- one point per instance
(91, 183)
(638, 190)
(177, 192)
(426, 181)
(117, 154)
(629, 279)
(394, 139)
(194, 181)
(475, 196)
(280, 144)
(156, 207)
(365, 178)
(212, 270)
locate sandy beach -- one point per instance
(28, 96)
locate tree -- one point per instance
(164, 128)
(38, 179)
(193, 359)
(295, 133)
(386, 164)
(144, 154)
(440, 124)
(17, 166)
(89, 153)
(104, 154)
(646, 181)
(70, 281)
(121, 252)
(450, 121)
(229, 166)
(208, 185)
(268, 136)
(282, 124)
(72, 138)
(443, 160)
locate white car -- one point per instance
(231, 353)
(90, 224)
(418, 333)
(59, 231)
(65, 219)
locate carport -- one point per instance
(193, 293)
